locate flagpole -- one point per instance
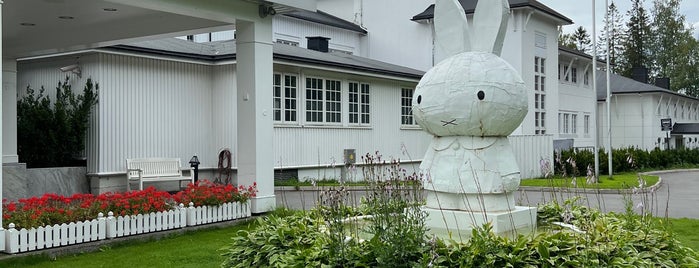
(594, 87)
(609, 92)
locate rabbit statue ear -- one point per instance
(490, 25)
(451, 28)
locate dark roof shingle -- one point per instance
(470, 6)
(222, 50)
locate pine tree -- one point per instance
(637, 42)
(613, 20)
(582, 39)
(566, 40)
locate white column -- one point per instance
(9, 111)
(2, 231)
(255, 125)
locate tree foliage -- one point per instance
(674, 50)
(52, 135)
(612, 36)
(637, 39)
(582, 39)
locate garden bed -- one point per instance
(53, 221)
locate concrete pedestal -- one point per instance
(458, 224)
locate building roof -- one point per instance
(470, 6)
(620, 85)
(325, 19)
(685, 128)
(225, 50)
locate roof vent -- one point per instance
(318, 43)
(662, 82)
(640, 74)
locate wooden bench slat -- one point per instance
(141, 170)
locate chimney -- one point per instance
(640, 74)
(662, 82)
(318, 43)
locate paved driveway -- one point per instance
(678, 197)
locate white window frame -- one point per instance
(288, 97)
(406, 108)
(363, 103)
(539, 95)
(586, 124)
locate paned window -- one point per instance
(539, 95)
(587, 124)
(333, 101)
(285, 100)
(314, 100)
(406, 107)
(359, 103)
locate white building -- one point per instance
(637, 109)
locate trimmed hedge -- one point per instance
(576, 162)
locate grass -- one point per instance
(190, 249)
(618, 181)
(686, 232)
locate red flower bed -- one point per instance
(52, 209)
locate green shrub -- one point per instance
(53, 135)
(575, 162)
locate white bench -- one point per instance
(142, 170)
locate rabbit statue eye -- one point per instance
(481, 95)
(419, 99)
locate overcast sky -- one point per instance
(580, 11)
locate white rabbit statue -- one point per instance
(471, 101)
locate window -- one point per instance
(333, 101)
(314, 100)
(574, 123)
(574, 75)
(587, 124)
(285, 87)
(358, 103)
(566, 123)
(287, 42)
(566, 75)
(539, 95)
(586, 78)
(406, 107)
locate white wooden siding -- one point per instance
(297, 30)
(224, 106)
(153, 108)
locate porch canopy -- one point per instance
(32, 28)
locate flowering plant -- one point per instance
(51, 209)
(206, 193)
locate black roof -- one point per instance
(470, 6)
(325, 19)
(685, 128)
(225, 50)
(620, 85)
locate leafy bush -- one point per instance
(575, 162)
(53, 135)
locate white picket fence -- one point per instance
(109, 227)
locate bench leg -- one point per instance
(128, 185)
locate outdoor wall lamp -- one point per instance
(194, 162)
(73, 68)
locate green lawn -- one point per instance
(618, 181)
(686, 231)
(191, 249)
(201, 249)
